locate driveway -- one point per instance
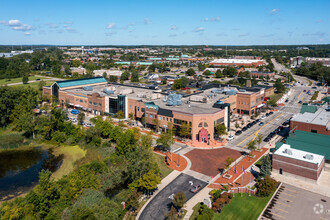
(161, 203)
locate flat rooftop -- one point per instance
(245, 61)
(320, 117)
(286, 151)
(199, 106)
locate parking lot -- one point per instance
(294, 203)
(161, 203)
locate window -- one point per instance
(81, 100)
(170, 119)
(90, 102)
(205, 125)
(164, 118)
(147, 114)
(314, 131)
(99, 104)
(200, 125)
(130, 106)
(160, 118)
(138, 108)
(151, 116)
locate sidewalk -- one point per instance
(321, 187)
(199, 197)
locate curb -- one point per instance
(271, 199)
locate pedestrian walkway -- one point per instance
(237, 170)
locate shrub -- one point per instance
(266, 186)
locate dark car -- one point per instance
(37, 79)
(254, 122)
(267, 114)
(300, 102)
(267, 139)
(249, 125)
(272, 134)
(286, 100)
(238, 132)
(261, 124)
(277, 131)
(245, 128)
(258, 120)
(270, 113)
(194, 188)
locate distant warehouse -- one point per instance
(237, 62)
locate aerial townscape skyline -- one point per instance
(165, 110)
(164, 23)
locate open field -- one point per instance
(245, 207)
(18, 80)
(164, 170)
(34, 85)
(71, 154)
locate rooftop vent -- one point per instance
(108, 91)
(309, 157)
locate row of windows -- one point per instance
(201, 125)
(81, 100)
(243, 103)
(160, 118)
(94, 103)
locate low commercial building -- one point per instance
(312, 121)
(287, 160)
(297, 61)
(237, 62)
(262, 75)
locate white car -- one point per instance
(230, 137)
(262, 117)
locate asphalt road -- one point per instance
(294, 203)
(274, 121)
(161, 203)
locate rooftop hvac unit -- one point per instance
(242, 90)
(88, 88)
(289, 151)
(309, 157)
(108, 91)
(174, 99)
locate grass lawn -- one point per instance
(17, 80)
(276, 96)
(245, 207)
(164, 170)
(35, 85)
(71, 154)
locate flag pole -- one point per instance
(242, 182)
(250, 181)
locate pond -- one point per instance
(19, 169)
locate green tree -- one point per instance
(218, 74)
(229, 161)
(185, 130)
(125, 143)
(135, 76)
(179, 199)
(41, 85)
(201, 67)
(252, 146)
(236, 125)
(221, 129)
(113, 78)
(120, 114)
(164, 140)
(278, 85)
(149, 181)
(25, 79)
(266, 167)
(190, 72)
(259, 140)
(266, 186)
(207, 73)
(81, 117)
(156, 122)
(125, 75)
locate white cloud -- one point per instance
(67, 22)
(212, 19)
(27, 33)
(14, 23)
(147, 21)
(274, 11)
(51, 25)
(111, 25)
(199, 29)
(174, 27)
(17, 25)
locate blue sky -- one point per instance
(178, 22)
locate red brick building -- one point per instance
(287, 160)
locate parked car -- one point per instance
(270, 113)
(195, 188)
(230, 137)
(267, 139)
(267, 114)
(238, 132)
(261, 124)
(263, 117)
(300, 102)
(258, 120)
(249, 125)
(286, 100)
(254, 122)
(245, 128)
